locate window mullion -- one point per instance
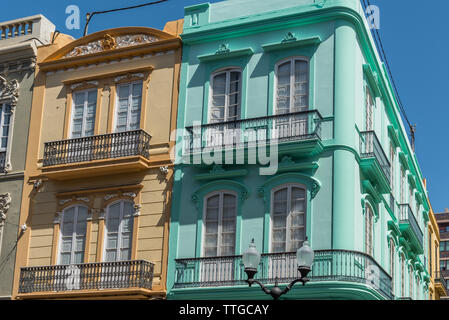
(119, 233)
(72, 254)
(292, 83)
(128, 120)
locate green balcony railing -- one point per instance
(406, 216)
(329, 265)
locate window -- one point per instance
(220, 224)
(410, 201)
(392, 264)
(225, 96)
(402, 186)
(369, 104)
(392, 167)
(73, 235)
(83, 113)
(288, 218)
(410, 282)
(119, 228)
(129, 101)
(292, 86)
(369, 230)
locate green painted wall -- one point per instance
(338, 75)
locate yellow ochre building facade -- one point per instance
(97, 190)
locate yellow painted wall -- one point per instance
(38, 245)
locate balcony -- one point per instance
(410, 228)
(374, 163)
(88, 278)
(329, 265)
(102, 154)
(285, 129)
(441, 282)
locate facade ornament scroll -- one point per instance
(109, 42)
(5, 201)
(130, 194)
(85, 83)
(223, 49)
(137, 208)
(84, 199)
(9, 90)
(110, 196)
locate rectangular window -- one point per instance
(5, 121)
(129, 101)
(392, 166)
(83, 113)
(402, 186)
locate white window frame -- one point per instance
(292, 61)
(86, 103)
(221, 194)
(228, 72)
(7, 150)
(75, 222)
(289, 187)
(119, 233)
(392, 264)
(130, 96)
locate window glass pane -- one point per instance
(123, 92)
(65, 258)
(112, 241)
(283, 88)
(137, 90)
(125, 254)
(79, 98)
(111, 255)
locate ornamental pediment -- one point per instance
(109, 42)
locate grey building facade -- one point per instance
(19, 40)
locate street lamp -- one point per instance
(251, 260)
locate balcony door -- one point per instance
(127, 118)
(118, 244)
(291, 97)
(82, 125)
(73, 235)
(369, 120)
(225, 107)
(219, 237)
(288, 228)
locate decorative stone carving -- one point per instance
(9, 90)
(137, 208)
(84, 199)
(64, 201)
(110, 43)
(85, 83)
(290, 36)
(109, 196)
(223, 49)
(5, 201)
(164, 169)
(129, 76)
(130, 194)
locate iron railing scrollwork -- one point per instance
(87, 276)
(329, 265)
(100, 147)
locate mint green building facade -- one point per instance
(304, 76)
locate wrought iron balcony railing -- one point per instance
(329, 265)
(105, 146)
(240, 133)
(87, 276)
(439, 278)
(406, 216)
(370, 147)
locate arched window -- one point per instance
(119, 228)
(226, 86)
(292, 86)
(220, 224)
(73, 235)
(369, 229)
(288, 218)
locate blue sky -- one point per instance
(414, 37)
